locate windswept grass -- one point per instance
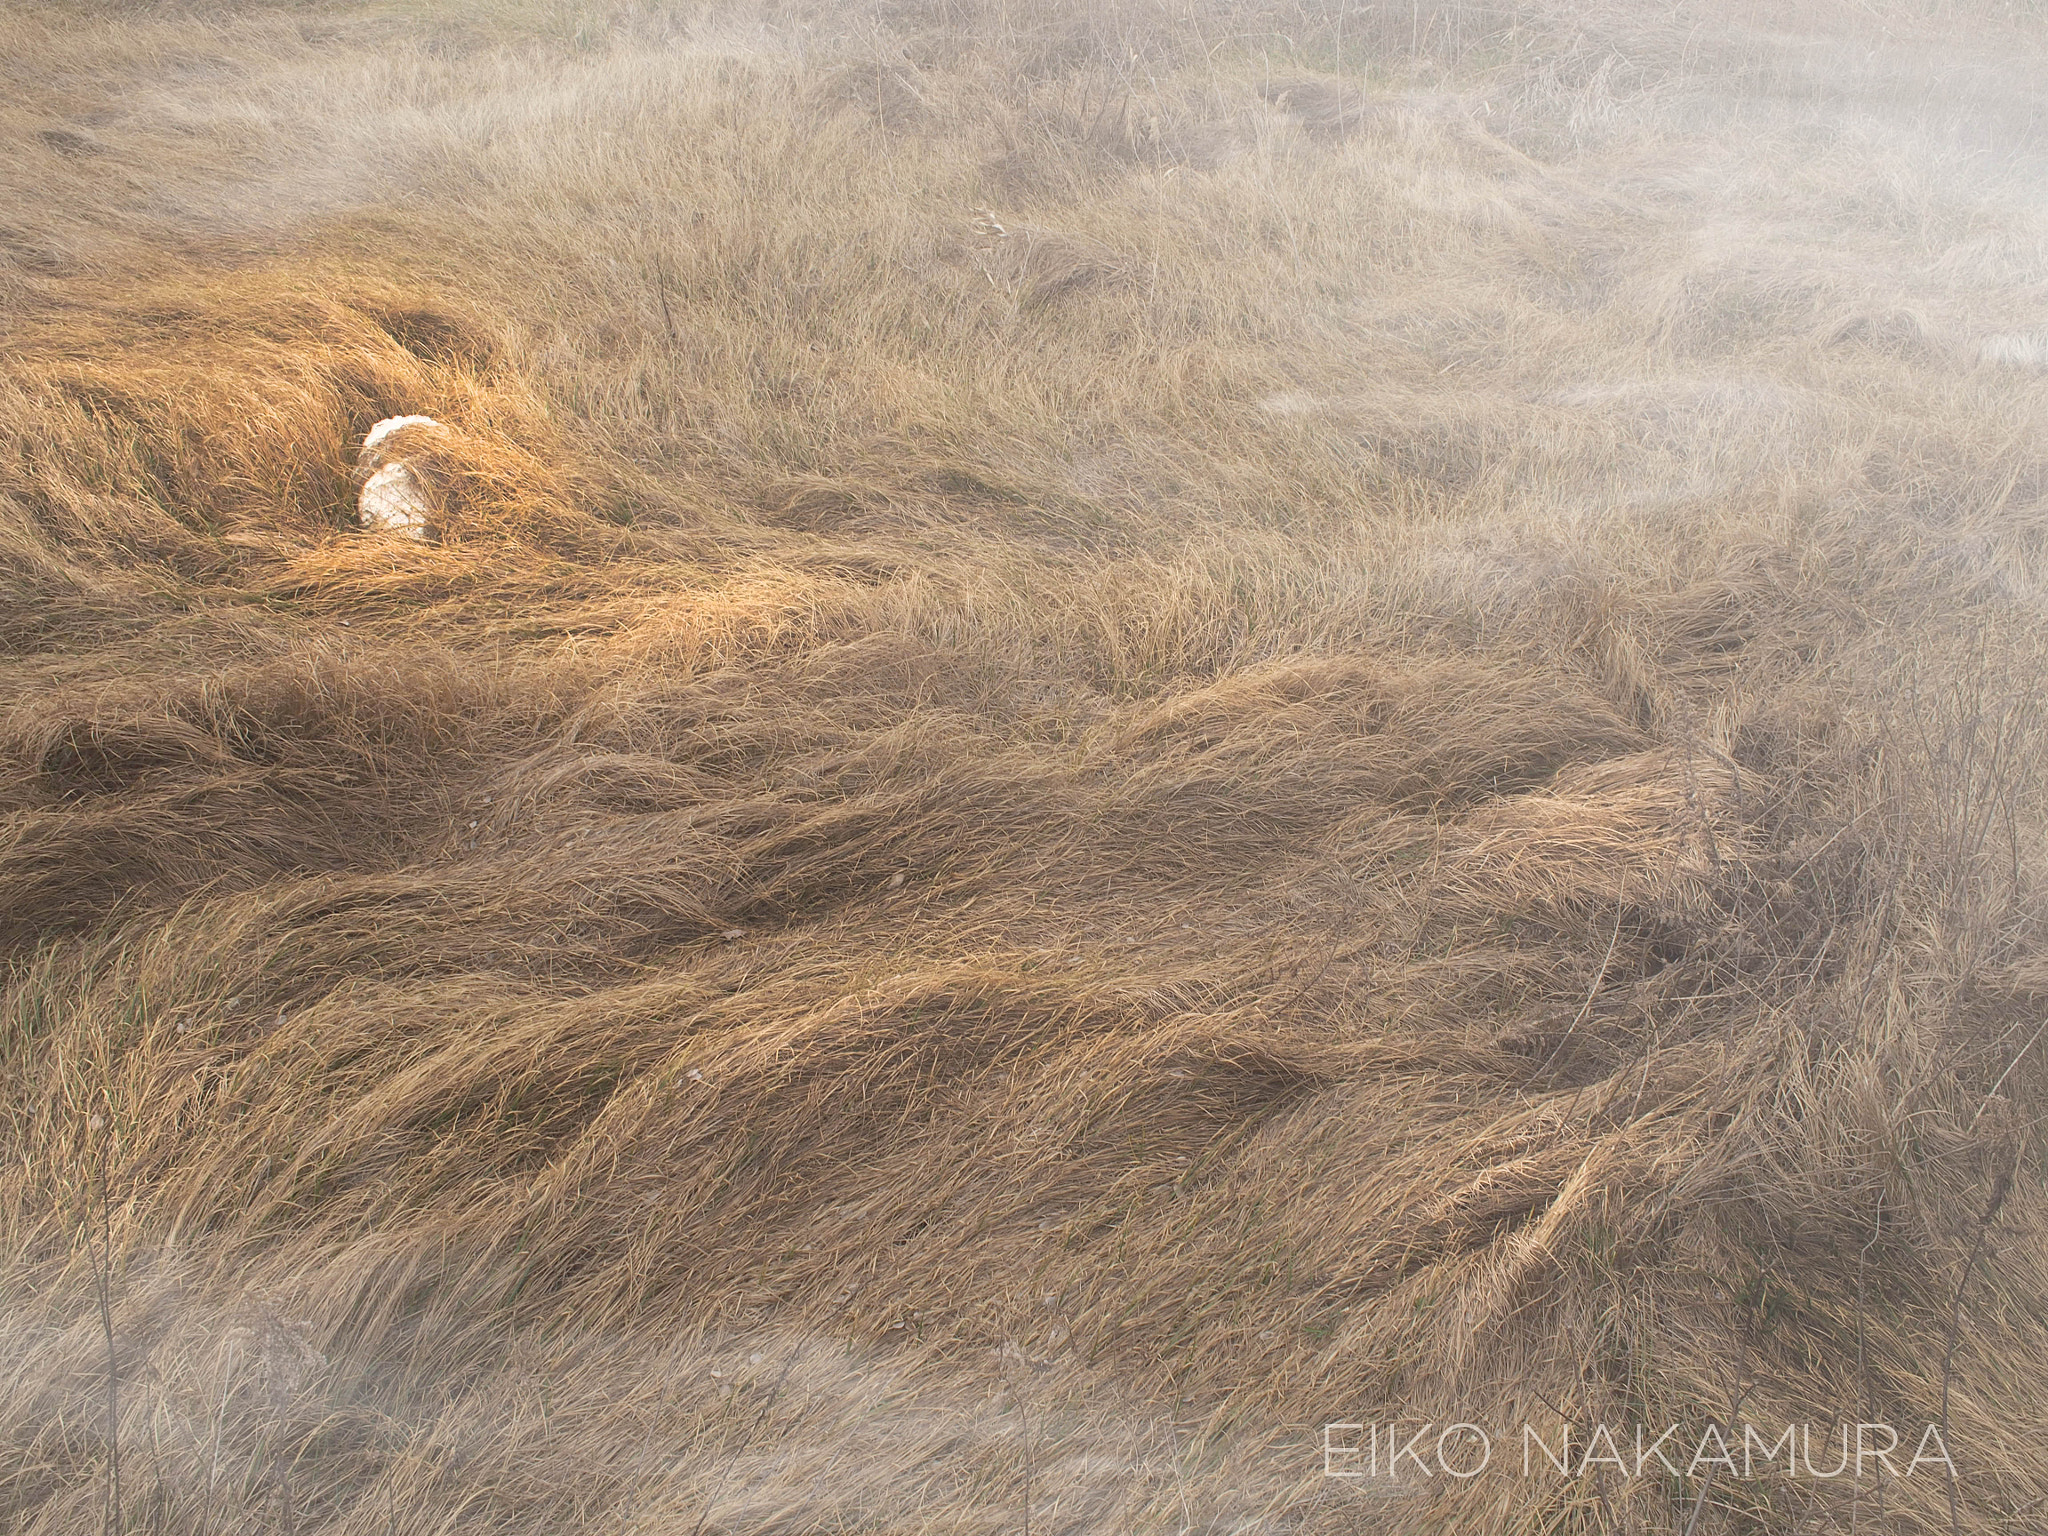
(1137, 727)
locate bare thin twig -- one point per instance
(1620, 891)
(1999, 1190)
(1699, 1503)
(1862, 1368)
(103, 1282)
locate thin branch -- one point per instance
(103, 1284)
(1620, 892)
(1999, 1191)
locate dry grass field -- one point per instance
(1139, 724)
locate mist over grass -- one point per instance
(1136, 727)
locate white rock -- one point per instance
(394, 498)
(391, 424)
